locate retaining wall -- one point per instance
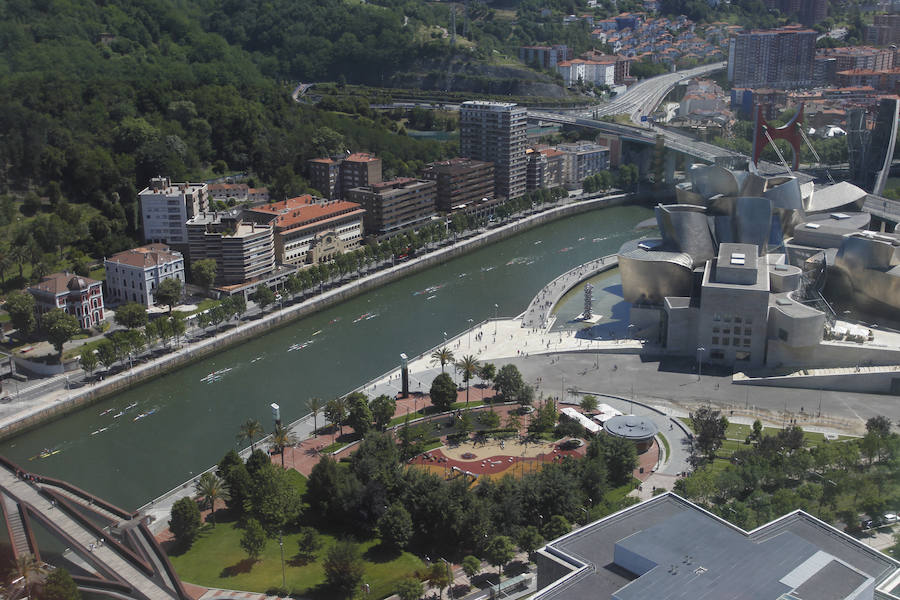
(199, 350)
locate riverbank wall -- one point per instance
(66, 401)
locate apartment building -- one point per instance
(546, 57)
(395, 206)
(309, 230)
(859, 57)
(243, 250)
(884, 31)
(581, 160)
(166, 207)
(545, 168)
(238, 192)
(334, 176)
(460, 181)
(773, 58)
(496, 132)
(134, 275)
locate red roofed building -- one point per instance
(310, 230)
(134, 275)
(81, 297)
(332, 177)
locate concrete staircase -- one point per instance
(21, 547)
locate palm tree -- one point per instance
(210, 488)
(283, 437)
(249, 430)
(468, 367)
(443, 355)
(28, 572)
(315, 406)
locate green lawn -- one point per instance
(216, 560)
(665, 446)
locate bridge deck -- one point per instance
(22, 491)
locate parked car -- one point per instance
(890, 518)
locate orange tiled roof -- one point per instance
(145, 256)
(361, 157)
(295, 212)
(60, 283)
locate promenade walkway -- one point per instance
(539, 311)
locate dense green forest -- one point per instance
(97, 97)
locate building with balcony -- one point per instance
(545, 168)
(394, 206)
(460, 182)
(134, 275)
(310, 231)
(780, 58)
(332, 177)
(496, 132)
(167, 206)
(81, 297)
(545, 57)
(237, 192)
(581, 160)
(244, 251)
(859, 57)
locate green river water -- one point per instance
(195, 423)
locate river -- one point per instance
(194, 423)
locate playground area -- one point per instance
(493, 458)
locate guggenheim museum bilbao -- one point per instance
(767, 273)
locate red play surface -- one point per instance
(492, 465)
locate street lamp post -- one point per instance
(449, 577)
(470, 321)
(281, 543)
(496, 316)
(700, 351)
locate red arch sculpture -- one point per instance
(789, 132)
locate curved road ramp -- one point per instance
(108, 551)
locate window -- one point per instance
(747, 331)
(715, 340)
(737, 319)
(716, 355)
(728, 319)
(746, 342)
(725, 341)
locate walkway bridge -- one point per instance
(678, 142)
(108, 551)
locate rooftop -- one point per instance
(146, 256)
(296, 212)
(669, 548)
(63, 283)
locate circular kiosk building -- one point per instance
(639, 430)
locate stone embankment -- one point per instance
(58, 402)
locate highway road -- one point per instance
(642, 98)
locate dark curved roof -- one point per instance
(631, 427)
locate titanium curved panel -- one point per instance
(648, 277)
(867, 252)
(712, 180)
(684, 228)
(784, 192)
(753, 185)
(752, 222)
(684, 194)
(866, 272)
